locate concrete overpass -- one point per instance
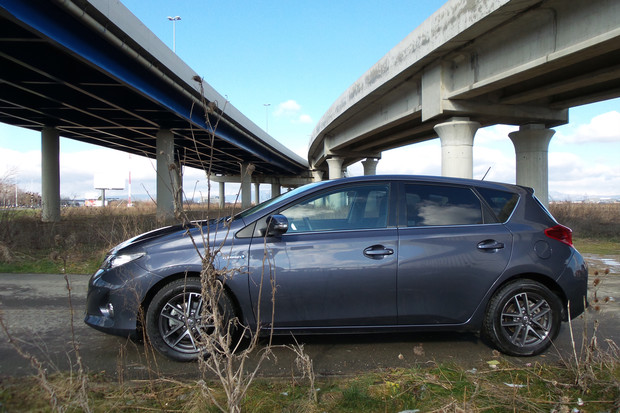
(89, 70)
(474, 64)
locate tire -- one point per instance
(523, 318)
(173, 319)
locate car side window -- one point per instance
(348, 208)
(501, 202)
(441, 205)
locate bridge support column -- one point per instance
(246, 185)
(457, 141)
(275, 189)
(370, 166)
(222, 188)
(256, 193)
(335, 167)
(169, 184)
(317, 175)
(531, 144)
(50, 175)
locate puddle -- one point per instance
(610, 262)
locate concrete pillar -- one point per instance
(531, 144)
(370, 166)
(457, 141)
(317, 175)
(50, 175)
(275, 189)
(256, 193)
(222, 194)
(246, 184)
(335, 167)
(167, 176)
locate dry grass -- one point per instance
(430, 388)
(591, 221)
(78, 243)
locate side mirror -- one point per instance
(276, 225)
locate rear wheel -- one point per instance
(174, 319)
(523, 318)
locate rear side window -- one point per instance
(441, 205)
(501, 202)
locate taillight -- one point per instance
(560, 233)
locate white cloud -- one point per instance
(305, 119)
(604, 128)
(570, 174)
(288, 108)
(494, 133)
(494, 163)
(417, 159)
(292, 110)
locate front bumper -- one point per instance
(114, 298)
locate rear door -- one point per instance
(336, 264)
(451, 251)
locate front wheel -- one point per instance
(174, 319)
(523, 318)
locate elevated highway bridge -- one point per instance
(89, 70)
(474, 64)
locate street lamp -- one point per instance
(266, 105)
(174, 40)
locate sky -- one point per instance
(282, 64)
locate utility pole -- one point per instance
(174, 35)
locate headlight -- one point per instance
(113, 261)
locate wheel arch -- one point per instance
(551, 284)
(148, 297)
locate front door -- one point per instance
(335, 266)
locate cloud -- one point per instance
(288, 108)
(417, 159)
(305, 119)
(292, 110)
(604, 128)
(494, 133)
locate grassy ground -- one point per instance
(501, 387)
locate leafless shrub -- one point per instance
(303, 362)
(227, 345)
(591, 358)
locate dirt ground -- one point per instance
(35, 310)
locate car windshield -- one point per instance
(269, 202)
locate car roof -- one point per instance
(431, 179)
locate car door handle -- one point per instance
(377, 252)
(490, 244)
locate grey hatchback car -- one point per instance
(354, 255)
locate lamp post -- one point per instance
(266, 105)
(174, 40)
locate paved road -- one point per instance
(35, 309)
